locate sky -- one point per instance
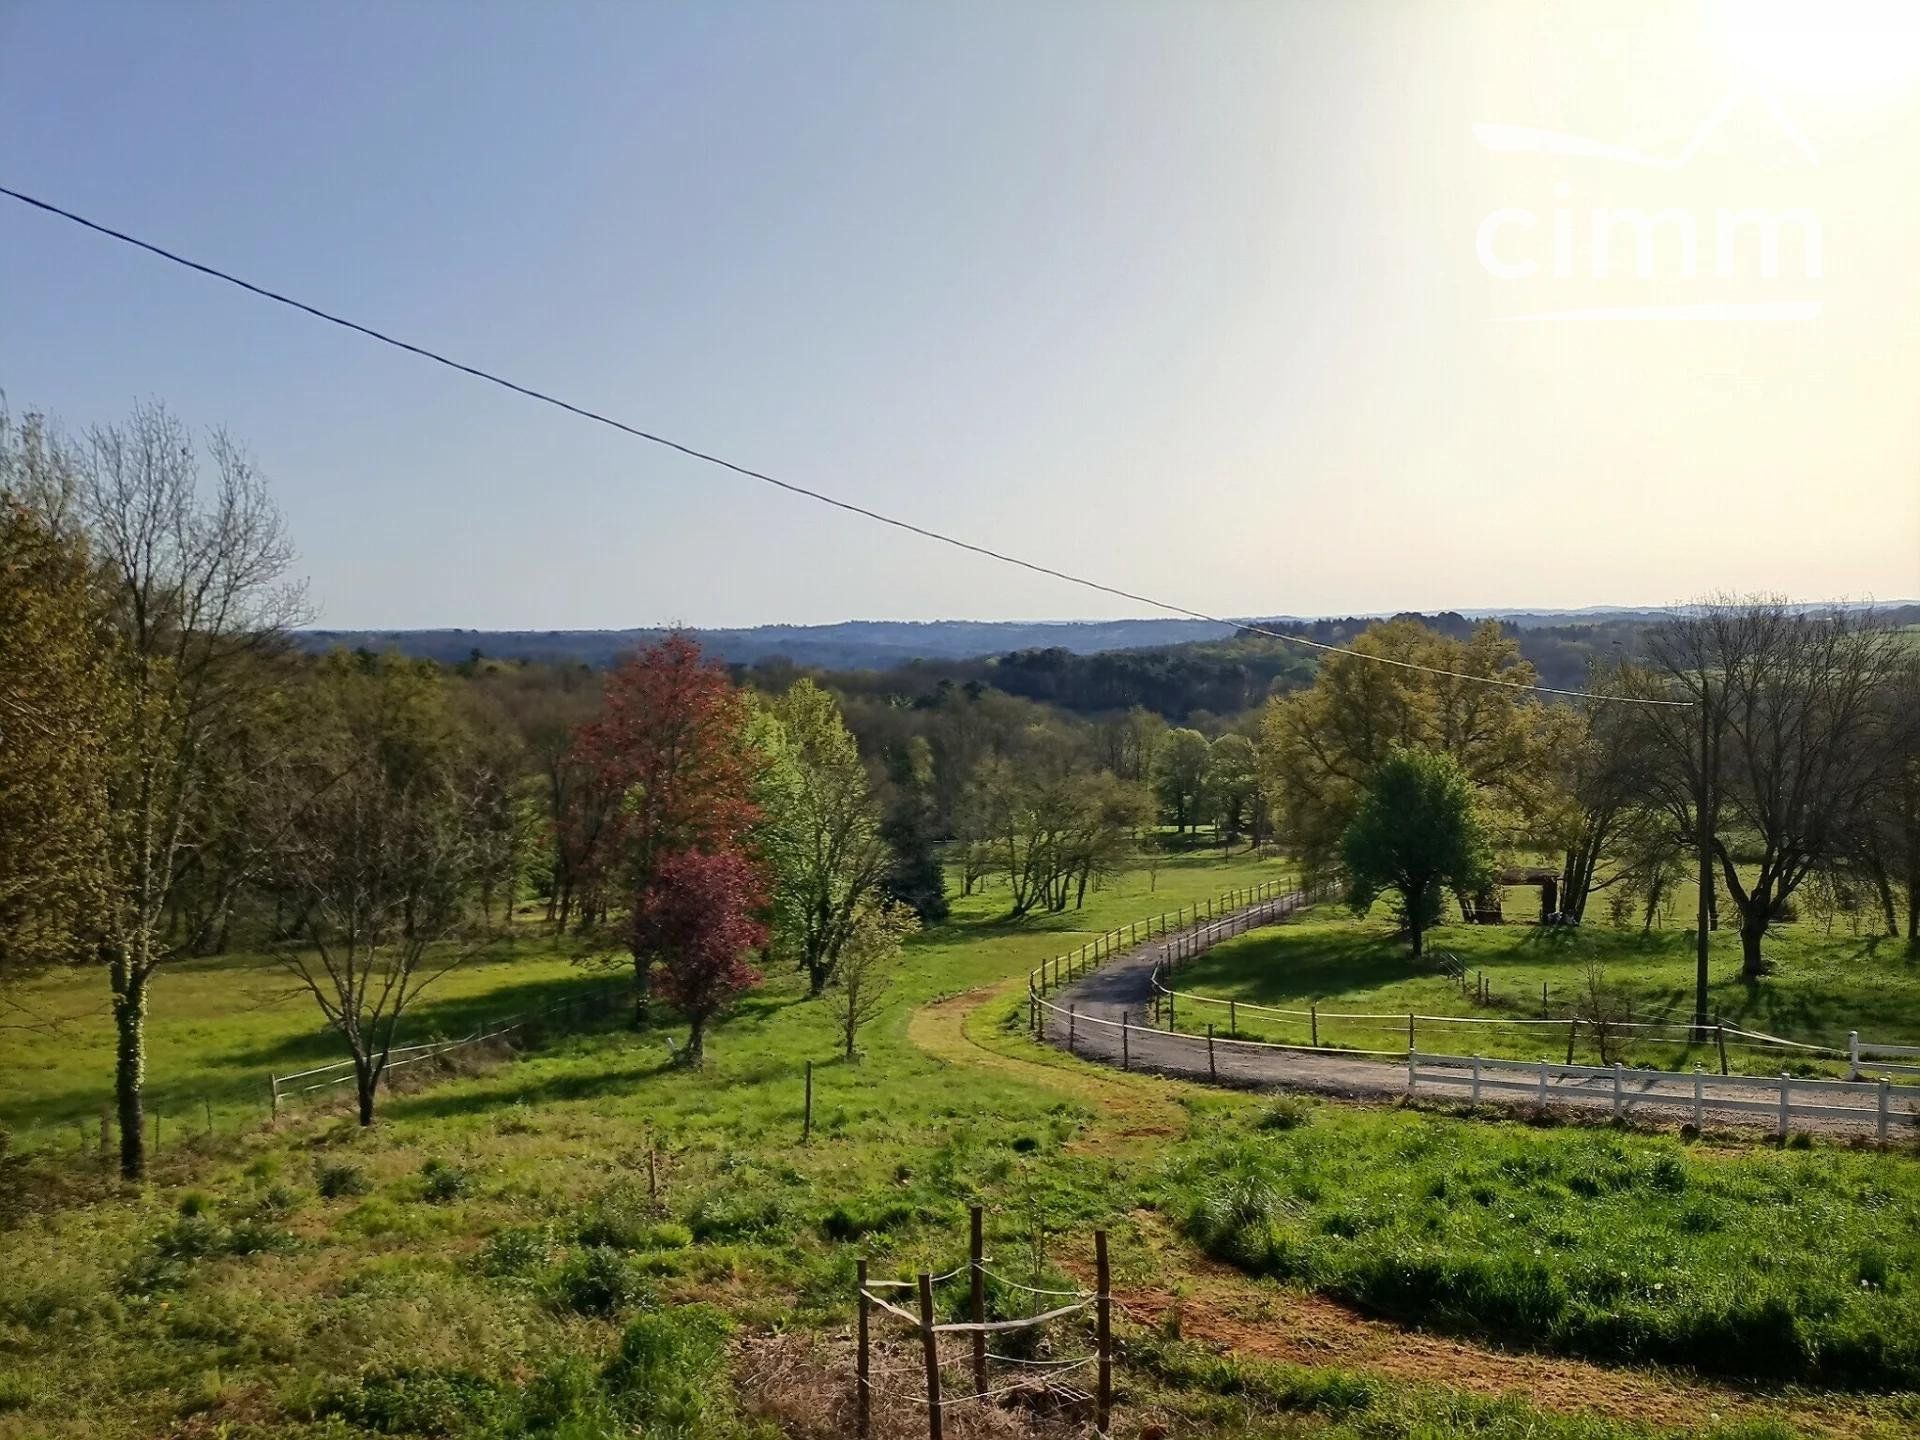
(1289, 308)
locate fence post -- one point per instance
(273, 1085)
(1853, 1054)
(1073, 1015)
(1785, 1081)
(1169, 1012)
(1409, 1032)
(1103, 1332)
(1543, 1082)
(863, 1392)
(1543, 1000)
(1313, 1022)
(1616, 1090)
(1720, 1034)
(1883, 1111)
(1573, 1034)
(806, 1123)
(1476, 1079)
(1212, 1072)
(930, 1347)
(208, 1105)
(1413, 1074)
(978, 1267)
(1699, 1098)
(1126, 1060)
(1233, 1018)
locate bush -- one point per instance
(408, 1401)
(619, 1216)
(599, 1281)
(444, 1182)
(516, 1250)
(338, 1179)
(1289, 1112)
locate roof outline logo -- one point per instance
(1503, 139)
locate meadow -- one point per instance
(1823, 986)
(586, 1240)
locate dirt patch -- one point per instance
(1127, 1106)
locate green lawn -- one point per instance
(1822, 987)
(488, 1261)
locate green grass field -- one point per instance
(488, 1261)
(1822, 987)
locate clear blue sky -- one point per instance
(1183, 295)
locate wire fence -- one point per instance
(1040, 1377)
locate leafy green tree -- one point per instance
(1416, 834)
(915, 876)
(1232, 783)
(55, 719)
(1319, 747)
(1180, 776)
(821, 830)
(869, 958)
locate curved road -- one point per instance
(1124, 987)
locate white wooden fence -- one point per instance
(1868, 1103)
(1863, 1060)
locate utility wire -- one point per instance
(789, 486)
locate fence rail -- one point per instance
(341, 1072)
(1869, 1103)
(869, 1304)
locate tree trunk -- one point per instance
(129, 983)
(1752, 931)
(364, 1087)
(642, 991)
(697, 1042)
(1885, 887)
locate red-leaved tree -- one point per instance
(670, 742)
(695, 923)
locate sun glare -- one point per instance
(1863, 50)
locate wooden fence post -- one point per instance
(930, 1347)
(1313, 1021)
(978, 1267)
(864, 1395)
(1410, 1046)
(273, 1086)
(1785, 1081)
(1699, 1095)
(208, 1106)
(1720, 1036)
(1103, 1332)
(1212, 1072)
(806, 1124)
(1884, 1096)
(1616, 1090)
(1476, 1079)
(1543, 1000)
(1126, 1060)
(1573, 1033)
(1233, 1018)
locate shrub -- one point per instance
(1289, 1112)
(409, 1401)
(598, 1281)
(619, 1216)
(337, 1179)
(444, 1182)
(516, 1250)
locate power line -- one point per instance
(789, 486)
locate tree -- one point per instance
(198, 610)
(695, 921)
(56, 717)
(384, 850)
(821, 832)
(1787, 715)
(1318, 748)
(915, 875)
(867, 962)
(670, 744)
(1181, 777)
(1232, 782)
(1417, 835)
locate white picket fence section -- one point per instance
(1868, 1103)
(1864, 1060)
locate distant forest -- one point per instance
(1185, 670)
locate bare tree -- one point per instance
(387, 843)
(199, 603)
(1783, 745)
